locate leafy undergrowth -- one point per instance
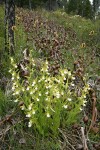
(65, 41)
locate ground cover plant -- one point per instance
(57, 58)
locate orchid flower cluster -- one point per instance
(46, 99)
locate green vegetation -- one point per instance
(68, 45)
(46, 99)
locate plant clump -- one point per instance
(47, 100)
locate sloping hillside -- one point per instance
(67, 42)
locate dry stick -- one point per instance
(94, 116)
(66, 139)
(79, 136)
(84, 139)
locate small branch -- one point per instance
(84, 139)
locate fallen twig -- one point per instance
(94, 111)
(84, 141)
